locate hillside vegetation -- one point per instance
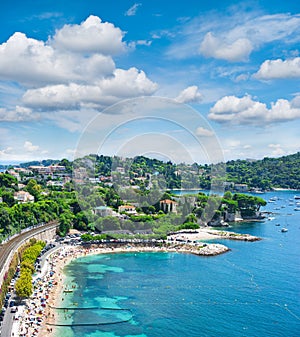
(110, 182)
(267, 173)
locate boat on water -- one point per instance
(278, 224)
(297, 209)
(283, 230)
(297, 197)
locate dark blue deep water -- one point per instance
(253, 290)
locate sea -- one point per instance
(252, 291)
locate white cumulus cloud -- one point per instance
(123, 84)
(277, 69)
(189, 95)
(235, 110)
(73, 69)
(237, 50)
(28, 146)
(32, 62)
(296, 101)
(91, 36)
(19, 114)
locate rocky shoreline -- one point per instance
(209, 234)
(211, 249)
(235, 236)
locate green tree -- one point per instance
(227, 195)
(34, 189)
(248, 205)
(108, 223)
(7, 180)
(8, 198)
(23, 286)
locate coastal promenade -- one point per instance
(8, 249)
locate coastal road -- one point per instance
(13, 244)
(7, 324)
(5, 250)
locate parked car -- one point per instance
(13, 309)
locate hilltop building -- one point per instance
(103, 211)
(127, 209)
(168, 206)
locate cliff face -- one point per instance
(217, 223)
(256, 216)
(234, 217)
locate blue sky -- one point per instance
(70, 68)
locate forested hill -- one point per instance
(281, 172)
(45, 162)
(268, 173)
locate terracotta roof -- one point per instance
(168, 201)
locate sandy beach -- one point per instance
(39, 315)
(40, 323)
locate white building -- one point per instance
(103, 211)
(23, 196)
(127, 209)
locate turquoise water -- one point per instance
(251, 291)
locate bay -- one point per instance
(251, 291)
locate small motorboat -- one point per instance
(283, 230)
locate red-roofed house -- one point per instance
(168, 206)
(127, 209)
